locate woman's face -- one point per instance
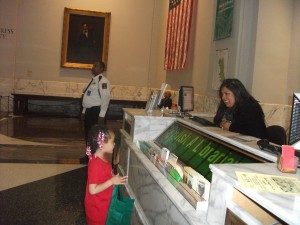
(228, 97)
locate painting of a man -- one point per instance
(85, 39)
(87, 48)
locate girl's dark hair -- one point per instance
(93, 137)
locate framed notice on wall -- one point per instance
(224, 19)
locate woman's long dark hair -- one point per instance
(238, 89)
(241, 97)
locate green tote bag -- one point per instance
(120, 209)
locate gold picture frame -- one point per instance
(85, 38)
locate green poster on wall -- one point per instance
(224, 19)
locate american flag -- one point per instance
(178, 33)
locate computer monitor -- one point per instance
(186, 99)
(294, 135)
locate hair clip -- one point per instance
(101, 138)
(88, 152)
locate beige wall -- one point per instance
(264, 47)
(274, 80)
(294, 66)
(40, 32)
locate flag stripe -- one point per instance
(187, 33)
(178, 32)
(183, 37)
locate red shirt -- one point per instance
(96, 206)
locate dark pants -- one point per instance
(90, 118)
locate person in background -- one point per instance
(166, 101)
(238, 111)
(100, 180)
(96, 98)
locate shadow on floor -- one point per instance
(54, 200)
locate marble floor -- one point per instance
(42, 179)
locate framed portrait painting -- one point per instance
(85, 38)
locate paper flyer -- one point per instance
(269, 183)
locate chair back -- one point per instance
(276, 134)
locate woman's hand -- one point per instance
(225, 124)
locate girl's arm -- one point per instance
(97, 188)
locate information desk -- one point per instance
(158, 201)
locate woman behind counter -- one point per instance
(238, 111)
(166, 101)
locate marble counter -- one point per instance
(245, 143)
(159, 202)
(148, 127)
(157, 199)
(284, 206)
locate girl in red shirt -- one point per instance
(100, 179)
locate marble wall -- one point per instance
(275, 114)
(71, 89)
(6, 100)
